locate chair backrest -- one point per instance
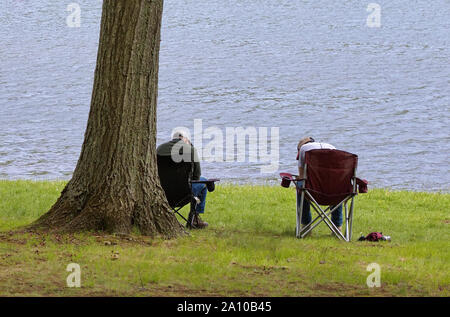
(329, 175)
(175, 179)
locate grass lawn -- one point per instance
(249, 249)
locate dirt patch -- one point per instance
(42, 238)
(338, 289)
(10, 237)
(261, 269)
(125, 240)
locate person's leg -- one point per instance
(336, 217)
(306, 214)
(200, 190)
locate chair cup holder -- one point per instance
(285, 182)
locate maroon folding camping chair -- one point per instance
(329, 180)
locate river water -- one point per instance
(310, 67)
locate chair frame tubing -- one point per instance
(324, 214)
(190, 219)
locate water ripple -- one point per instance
(381, 93)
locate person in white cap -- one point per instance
(304, 145)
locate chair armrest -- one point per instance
(289, 176)
(210, 183)
(212, 180)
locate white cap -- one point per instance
(181, 132)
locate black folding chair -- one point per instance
(176, 180)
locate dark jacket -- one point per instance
(165, 149)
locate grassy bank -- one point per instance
(248, 250)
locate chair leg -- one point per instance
(299, 214)
(190, 221)
(325, 217)
(177, 212)
(346, 223)
(319, 219)
(351, 218)
(322, 214)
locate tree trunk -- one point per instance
(115, 185)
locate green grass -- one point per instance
(249, 249)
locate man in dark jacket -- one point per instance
(180, 148)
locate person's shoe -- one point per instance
(199, 223)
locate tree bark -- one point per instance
(115, 185)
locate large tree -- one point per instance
(115, 185)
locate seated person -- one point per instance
(199, 190)
(307, 144)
